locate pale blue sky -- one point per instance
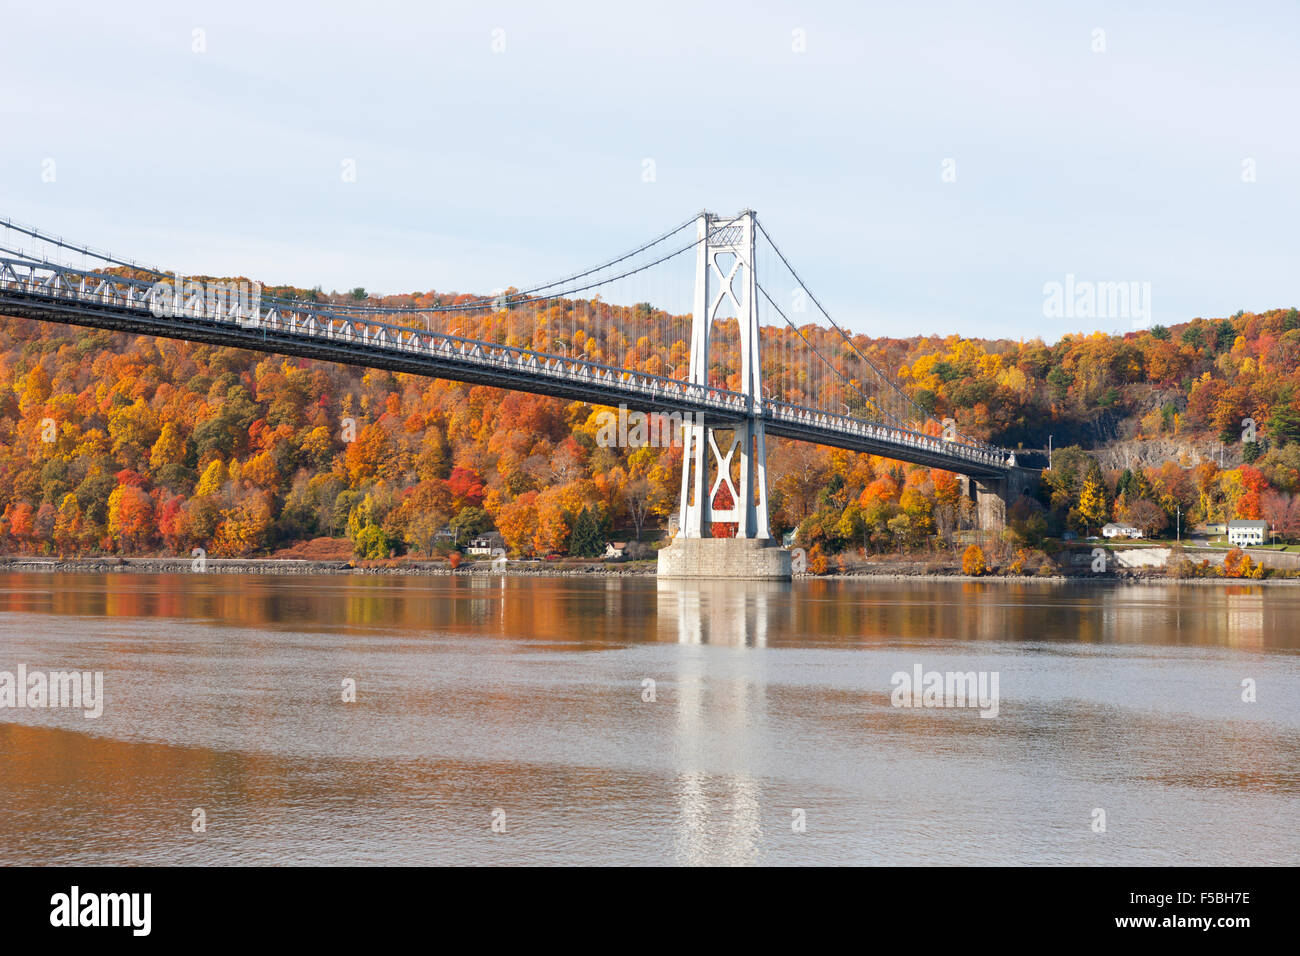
(478, 169)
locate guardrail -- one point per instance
(988, 455)
(61, 284)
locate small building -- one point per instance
(615, 550)
(1245, 533)
(1216, 528)
(1114, 530)
(486, 544)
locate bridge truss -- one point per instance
(731, 374)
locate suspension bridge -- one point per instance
(703, 332)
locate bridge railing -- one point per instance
(989, 455)
(59, 283)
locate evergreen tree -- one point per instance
(587, 540)
(1125, 487)
(1284, 422)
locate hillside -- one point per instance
(114, 443)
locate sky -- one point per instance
(928, 168)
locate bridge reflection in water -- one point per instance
(719, 613)
(718, 704)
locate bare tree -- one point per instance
(1281, 511)
(637, 491)
(799, 471)
(1147, 516)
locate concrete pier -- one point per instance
(993, 498)
(752, 559)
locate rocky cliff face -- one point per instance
(1154, 452)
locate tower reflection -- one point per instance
(720, 713)
(719, 613)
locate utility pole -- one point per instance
(1049, 452)
(1179, 525)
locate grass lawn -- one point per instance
(1225, 546)
(1218, 544)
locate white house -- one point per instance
(1114, 530)
(486, 544)
(615, 549)
(1245, 533)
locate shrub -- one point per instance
(972, 561)
(1237, 564)
(372, 543)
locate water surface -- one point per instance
(526, 696)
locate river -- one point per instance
(585, 720)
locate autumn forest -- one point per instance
(116, 444)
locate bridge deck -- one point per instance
(128, 306)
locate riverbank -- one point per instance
(116, 565)
(885, 571)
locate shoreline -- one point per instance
(301, 566)
(304, 566)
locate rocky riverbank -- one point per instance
(884, 570)
(116, 565)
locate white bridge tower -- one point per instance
(726, 282)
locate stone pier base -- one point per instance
(747, 558)
(993, 498)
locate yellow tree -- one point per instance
(168, 449)
(517, 522)
(972, 561)
(35, 390)
(370, 456)
(68, 526)
(261, 471)
(214, 477)
(244, 526)
(134, 429)
(130, 516)
(1092, 502)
